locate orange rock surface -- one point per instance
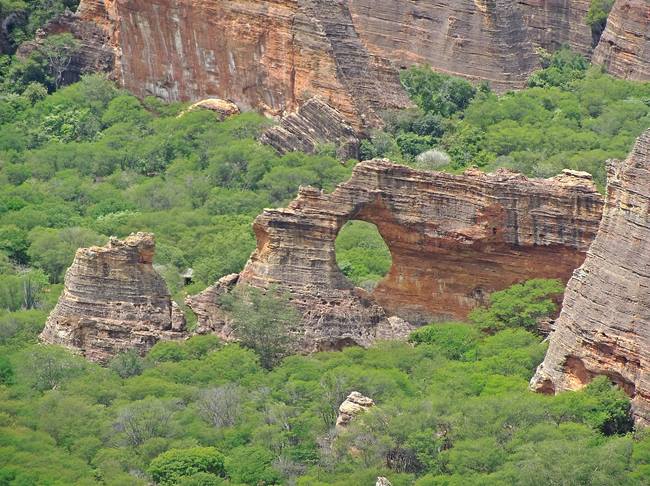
(604, 326)
(454, 239)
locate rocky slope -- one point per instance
(114, 300)
(314, 123)
(604, 326)
(624, 48)
(453, 241)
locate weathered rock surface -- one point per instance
(314, 123)
(453, 240)
(274, 55)
(222, 108)
(114, 300)
(624, 48)
(354, 404)
(604, 326)
(210, 317)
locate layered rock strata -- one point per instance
(274, 55)
(624, 47)
(604, 326)
(315, 123)
(113, 301)
(453, 240)
(355, 404)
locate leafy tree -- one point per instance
(144, 419)
(58, 51)
(518, 306)
(263, 322)
(6, 371)
(53, 249)
(48, 367)
(455, 340)
(597, 17)
(172, 466)
(251, 465)
(127, 364)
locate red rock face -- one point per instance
(604, 326)
(274, 55)
(270, 55)
(453, 241)
(624, 48)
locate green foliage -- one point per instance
(597, 16)
(127, 364)
(361, 253)
(263, 322)
(173, 466)
(437, 93)
(455, 340)
(251, 465)
(560, 70)
(519, 306)
(6, 371)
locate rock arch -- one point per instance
(454, 239)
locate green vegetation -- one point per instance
(27, 16)
(452, 407)
(597, 16)
(362, 254)
(572, 116)
(89, 161)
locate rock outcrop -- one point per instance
(624, 47)
(114, 300)
(314, 123)
(275, 55)
(604, 326)
(453, 239)
(222, 108)
(354, 404)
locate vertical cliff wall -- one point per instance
(624, 48)
(114, 300)
(274, 55)
(604, 326)
(478, 39)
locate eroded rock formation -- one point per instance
(453, 240)
(274, 55)
(624, 48)
(604, 326)
(354, 404)
(114, 300)
(314, 123)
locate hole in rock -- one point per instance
(362, 254)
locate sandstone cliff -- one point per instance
(453, 240)
(274, 55)
(624, 48)
(114, 300)
(604, 326)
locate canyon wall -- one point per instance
(113, 300)
(274, 55)
(624, 48)
(604, 326)
(453, 239)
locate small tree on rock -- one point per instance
(263, 322)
